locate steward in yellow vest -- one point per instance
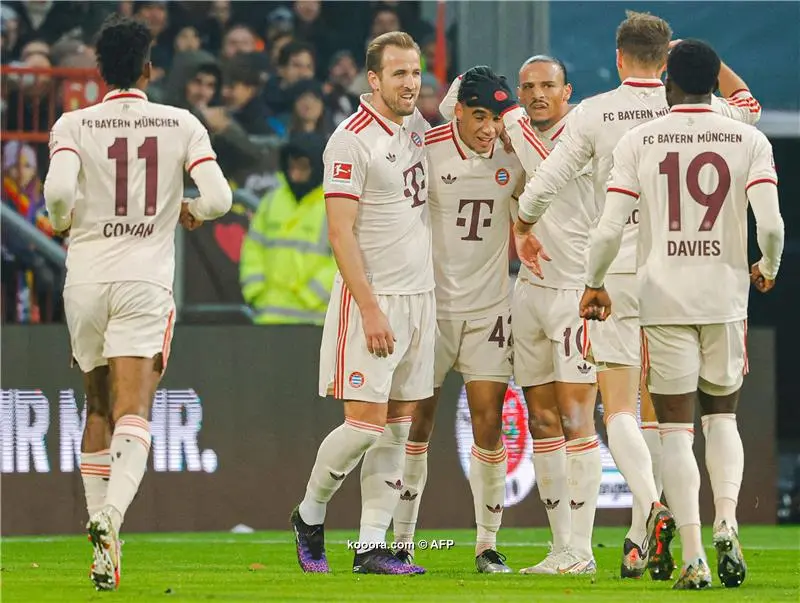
(286, 268)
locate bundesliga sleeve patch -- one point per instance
(342, 172)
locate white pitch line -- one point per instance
(289, 541)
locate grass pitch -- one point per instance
(263, 567)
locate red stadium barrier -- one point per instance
(34, 98)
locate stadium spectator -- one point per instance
(9, 32)
(309, 113)
(296, 62)
(429, 98)
(286, 265)
(155, 16)
(277, 44)
(239, 39)
(280, 22)
(310, 27)
(341, 74)
(243, 83)
(187, 39)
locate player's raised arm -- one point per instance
(621, 198)
(61, 182)
(737, 102)
(201, 162)
(762, 193)
(447, 107)
(573, 151)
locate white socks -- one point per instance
(382, 481)
(633, 460)
(130, 447)
(337, 456)
(653, 440)
(725, 464)
(415, 476)
(550, 466)
(487, 478)
(95, 471)
(682, 486)
(584, 474)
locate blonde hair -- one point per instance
(644, 38)
(400, 39)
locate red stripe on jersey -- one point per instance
(356, 120)
(345, 195)
(166, 345)
(739, 91)
(442, 139)
(341, 343)
(557, 134)
(126, 95)
(643, 84)
(361, 126)
(531, 137)
(381, 123)
(198, 162)
(65, 149)
(691, 110)
(455, 142)
(624, 191)
(439, 135)
(746, 367)
(438, 130)
(761, 181)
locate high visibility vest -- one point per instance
(286, 268)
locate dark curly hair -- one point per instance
(694, 66)
(123, 48)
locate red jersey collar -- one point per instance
(127, 94)
(695, 108)
(388, 126)
(642, 82)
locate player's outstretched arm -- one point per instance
(61, 182)
(573, 151)
(738, 102)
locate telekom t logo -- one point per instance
(414, 178)
(475, 220)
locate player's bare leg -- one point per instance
(133, 385)
(95, 455)
(550, 465)
(576, 402)
(682, 486)
(487, 469)
(415, 475)
(725, 464)
(652, 438)
(619, 386)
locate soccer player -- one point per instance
(116, 181)
(594, 128)
(377, 350)
(692, 174)
(472, 196)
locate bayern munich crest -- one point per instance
(356, 379)
(416, 138)
(502, 176)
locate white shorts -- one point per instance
(683, 359)
(347, 370)
(479, 349)
(550, 338)
(617, 339)
(109, 320)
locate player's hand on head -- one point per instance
(595, 304)
(378, 333)
(530, 252)
(759, 281)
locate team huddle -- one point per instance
(628, 213)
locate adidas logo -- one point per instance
(449, 179)
(391, 157)
(396, 486)
(496, 509)
(584, 368)
(408, 496)
(551, 504)
(338, 478)
(575, 505)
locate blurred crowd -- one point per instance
(270, 81)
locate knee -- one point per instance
(545, 423)
(576, 423)
(487, 426)
(423, 422)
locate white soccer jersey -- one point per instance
(595, 127)
(382, 165)
(132, 155)
(691, 171)
(472, 200)
(564, 230)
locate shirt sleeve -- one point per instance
(762, 193)
(345, 162)
(575, 149)
(741, 106)
(62, 137)
(199, 149)
(621, 198)
(447, 108)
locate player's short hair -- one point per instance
(122, 48)
(694, 67)
(375, 49)
(543, 58)
(645, 38)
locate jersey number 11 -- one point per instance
(118, 152)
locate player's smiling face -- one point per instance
(543, 93)
(400, 79)
(478, 127)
